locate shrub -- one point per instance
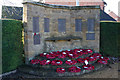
(12, 47)
(109, 41)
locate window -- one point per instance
(90, 24)
(78, 25)
(90, 36)
(35, 24)
(36, 39)
(46, 24)
(61, 25)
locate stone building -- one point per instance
(54, 27)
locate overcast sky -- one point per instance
(112, 5)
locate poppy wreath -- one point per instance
(57, 53)
(88, 51)
(81, 60)
(88, 67)
(35, 61)
(76, 50)
(56, 62)
(45, 62)
(50, 56)
(74, 69)
(91, 58)
(35, 33)
(83, 52)
(102, 61)
(60, 70)
(71, 62)
(97, 55)
(64, 53)
(104, 58)
(61, 56)
(43, 55)
(73, 55)
(80, 52)
(69, 51)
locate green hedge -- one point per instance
(12, 47)
(109, 41)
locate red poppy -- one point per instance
(53, 53)
(104, 58)
(71, 62)
(35, 61)
(34, 34)
(43, 55)
(82, 51)
(97, 55)
(50, 56)
(45, 62)
(58, 52)
(56, 62)
(68, 52)
(76, 50)
(91, 58)
(89, 51)
(73, 55)
(61, 56)
(74, 69)
(81, 60)
(102, 61)
(60, 70)
(64, 53)
(88, 67)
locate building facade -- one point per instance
(53, 27)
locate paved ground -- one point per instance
(105, 73)
(111, 71)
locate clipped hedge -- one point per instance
(12, 47)
(109, 38)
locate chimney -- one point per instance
(77, 2)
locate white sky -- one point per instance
(112, 5)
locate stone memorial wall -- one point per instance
(53, 27)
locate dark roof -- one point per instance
(61, 6)
(105, 17)
(12, 12)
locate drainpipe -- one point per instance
(77, 2)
